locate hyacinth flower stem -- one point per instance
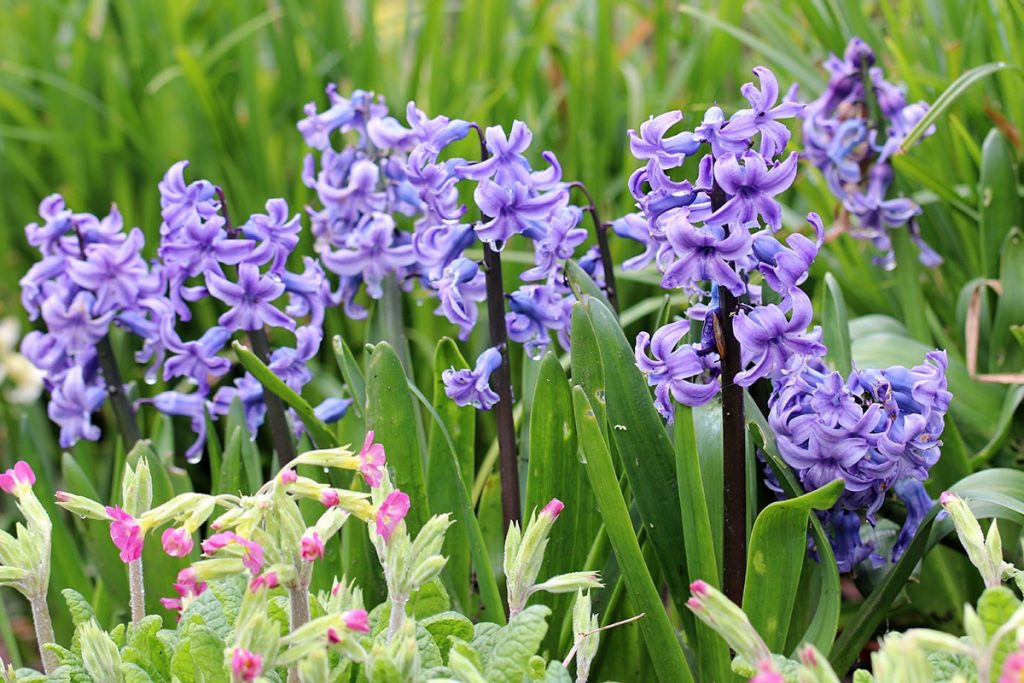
(123, 411)
(280, 432)
(137, 590)
(734, 441)
(44, 631)
(501, 380)
(601, 229)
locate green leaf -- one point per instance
(823, 625)
(950, 95)
(145, 650)
(446, 625)
(698, 542)
(995, 607)
(391, 414)
(199, 655)
(1006, 354)
(352, 374)
(507, 654)
(643, 445)
(231, 464)
(556, 472)
(999, 205)
(460, 423)
(835, 327)
(80, 609)
(493, 607)
(655, 626)
(775, 557)
(133, 673)
(318, 431)
(581, 283)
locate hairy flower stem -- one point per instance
(44, 631)
(137, 589)
(298, 601)
(601, 229)
(501, 380)
(397, 616)
(734, 442)
(280, 432)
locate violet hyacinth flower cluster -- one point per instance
(374, 178)
(878, 430)
(700, 248)
(851, 133)
(92, 276)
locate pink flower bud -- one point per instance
(312, 546)
(60, 496)
(356, 620)
(126, 534)
(20, 477)
(553, 509)
(694, 604)
(1013, 668)
(699, 588)
(246, 665)
(946, 498)
(177, 542)
(392, 511)
(329, 498)
(372, 460)
(268, 579)
(766, 673)
(333, 637)
(173, 604)
(289, 476)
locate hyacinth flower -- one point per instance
(877, 430)
(850, 133)
(472, 387)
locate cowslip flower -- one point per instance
(177, 542)
(1013, 668)
(371, 461)
(267, 579)
(186, 586)
(252, 552)
(126, 534)
(553, 509)
(18, 479)
(329, 498)
(246, 665)
(472, 387)
(312, 546)
(356, 620)
(390, 513)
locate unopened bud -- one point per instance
(728, 620)
(81, 506)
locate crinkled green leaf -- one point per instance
(145, 650)
(79, 608)
(430, 599)
(556, 673)
(510, 647)
(207, 610)
(199, 656)
(133, 673)
(430, 651)
(995, 607)
(446, 625)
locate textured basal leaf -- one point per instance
(508, 657)
(208, 611)
(430, 651)
(446, 625)
(133, 673)
(199, 657)
(145, 650)
(996, 606)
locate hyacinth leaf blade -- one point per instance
(641, 440)
(322, 435)
(581, 283)
(555, 472)
(698, 541)
(778, 543)
(913, 304)
(659, 636)
(1007, 355)
(835, 326)
(249, 455)
(97, 537)
(586, 366)
(493, 607)
(392, 415)
(352, 374)
(822, 628)
(950, 95)
(999, 204)
(229, 479)
(460, 424)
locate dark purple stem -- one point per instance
(501, 379)
(280, 432)
(601, 229)
(734, 443)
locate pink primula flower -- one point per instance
(126, 534)
(312, 546)
(246, 665)
(392, 511)
(20, 477)
(177, 542)
(372, 460)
